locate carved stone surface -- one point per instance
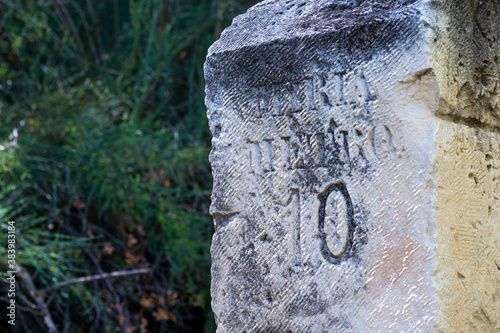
(356, 167)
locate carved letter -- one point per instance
(296, 153)
(362, 92)
(329, 89)
(382, 141)
(267, 155)
(255, 158)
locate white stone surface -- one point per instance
(346, 196)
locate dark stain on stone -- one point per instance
(346, 43)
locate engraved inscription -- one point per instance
(317, 91)
(255, 158)
(295, 198)
(292, 209)
(318, 130)
(330, 89)
(362, 92)
(335, 147)
(382, 141)
(267, 155)
(336, 223)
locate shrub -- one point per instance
(103, 164)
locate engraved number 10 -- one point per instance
(335, 224)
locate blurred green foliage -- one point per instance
(103, 158)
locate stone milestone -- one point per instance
(356, 164)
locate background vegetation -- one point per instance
(103, 161)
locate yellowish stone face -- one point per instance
(466, 209)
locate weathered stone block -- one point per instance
(356, 163)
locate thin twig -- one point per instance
(93, 17)
(97, 277)
(12, 7)
(27, 301)
(99, 269)
(116, 19)
(115, 240)
(87, 30)
(37, 296)
(66, 19)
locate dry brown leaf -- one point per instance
(140, 230)
(131, 258)
(130, 329)
(161, 314)
(144, 325)
(172, 298)
(108, 249)
(77, 203)
(147, 302)
(144, 264)
(131, 241)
